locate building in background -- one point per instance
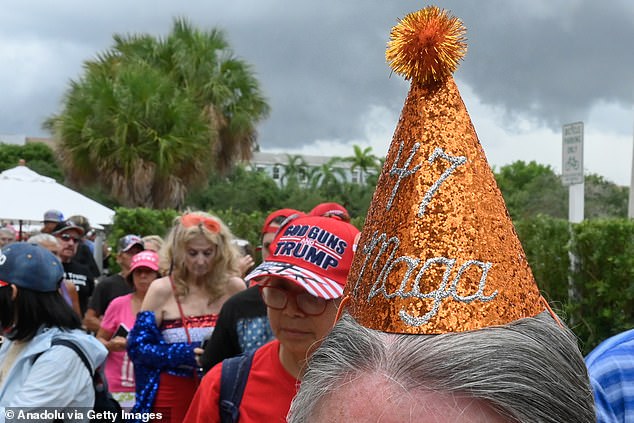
(275, 165)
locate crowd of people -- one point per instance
(170, 340)
(159, 324)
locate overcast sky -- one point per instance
(531, 67)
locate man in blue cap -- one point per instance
(51, 219)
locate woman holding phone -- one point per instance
(118, 320)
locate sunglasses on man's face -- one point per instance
(67, 238)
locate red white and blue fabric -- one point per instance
(315, 284)
(313, 252)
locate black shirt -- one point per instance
(107, 290)
(84, 257)
(84, 283)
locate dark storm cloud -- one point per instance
(321, 63)
(552, 64)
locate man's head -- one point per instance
(6, 236)
(498, 374)
(81, 221)
(51, 219)
(69, 235)
(331, 209)
(271, 224)
(47, 241)
(303, 278)
(127, 247)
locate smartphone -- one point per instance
(122, 330)
(204, 343)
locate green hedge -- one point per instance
(545, 241)
(603, 293)
(603, 279)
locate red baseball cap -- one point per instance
(147, 258)
(314, 253)
(330, 210)
(266, 228)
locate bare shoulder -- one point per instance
(158, 294)
(235, 285)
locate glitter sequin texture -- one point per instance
(151, 355)
(438, 252)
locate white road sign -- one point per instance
(572, 154)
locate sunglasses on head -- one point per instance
(68, 237)
(191, 219)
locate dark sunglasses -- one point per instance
(67, 237)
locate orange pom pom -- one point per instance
(427, 45)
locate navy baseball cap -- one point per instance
(30, 266)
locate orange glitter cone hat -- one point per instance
(438, 252)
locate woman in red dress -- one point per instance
(179, 312)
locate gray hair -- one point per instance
(529, 371)
(43, 238)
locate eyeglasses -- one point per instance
(277, 299)
(67, 237)
(191, 219)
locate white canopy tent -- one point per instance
(26, 195)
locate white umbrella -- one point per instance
(26, 195)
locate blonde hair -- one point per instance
(224, 263)
(153, 239)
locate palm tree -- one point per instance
(327, 175)
(151, 117)
(295, 170)
(363, 160)
(223, 84)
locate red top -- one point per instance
(267, 395)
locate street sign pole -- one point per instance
(572, 175)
